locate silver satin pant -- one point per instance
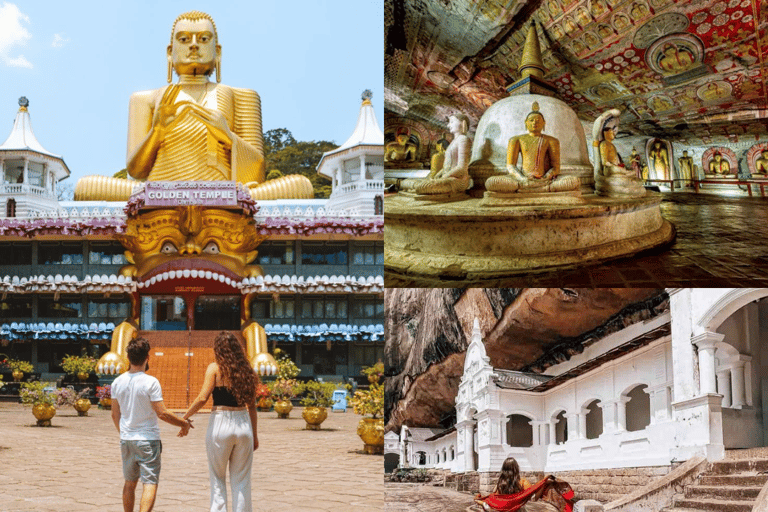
(229, 441)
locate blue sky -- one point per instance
(78, 63)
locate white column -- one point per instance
(658, 403)
(706, 344)
(362, 168)
(583, 423)
(609, 415)
(724, 386)
(553, 431)
(621, 414)
(469, 448)
(573, 426)
(737, 385)
(26, 173)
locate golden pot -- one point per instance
(83, 376)
(82, 406)
(283, 408)
(264, 404)
(371, 431)
(106, 403)
(373, 378)
(314, 416)
(17, 375)
(43, 413)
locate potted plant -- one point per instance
(18, 368)
(42, 401)
(283, 390)
(375, 372)
(80, 366)
(317, 396)
(370, 404)
(263, 397)
(68, 396)
(104, 394)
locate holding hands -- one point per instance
(185, 428)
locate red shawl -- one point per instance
(513, 502)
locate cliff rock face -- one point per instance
(428, 331)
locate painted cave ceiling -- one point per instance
(689, 71)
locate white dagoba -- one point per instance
(29, 172)
(356, 168)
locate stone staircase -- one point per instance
(730, 485)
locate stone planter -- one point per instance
(106, 403)
(283, 408)
(371, 431)
(43, 413)
(264, 404)
(373, 378)
(82, 406)
(314, 416)
(83, 376)
(17, 375)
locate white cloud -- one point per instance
(12, 34)
(59, 40)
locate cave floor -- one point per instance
(404, 497)
(720, 242)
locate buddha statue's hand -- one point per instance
(213, 119)
(166, 111)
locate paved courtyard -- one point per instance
(74, 465)
(405, 497)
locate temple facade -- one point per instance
(318, 296)
(687, 383)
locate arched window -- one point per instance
(422, 458)
(453, 455)
(638, 409)
(594, 419)
(561, 428)
(10, 208)
(519, 431)
(378, 205)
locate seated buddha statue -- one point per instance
(761, 164)
(438, 159)
(718, 165)
(612, 178)
(401, 152)
(195, 129)
(453, 177)
(539, 171)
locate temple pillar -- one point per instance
(621, 414)
(583, 424)
(738, 400)
(706, 345)
(573, 426)
(724, 386)
(362, 169)
(609, 415)
(553, 431)
(25, 172)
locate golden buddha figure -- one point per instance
(438, 159)
(718, 165)
(612, 178)
(453, 177)
(636, 163)
(660, 160)
(195, 129)
(761, 164)
(401, 150)
(540, 167)
(686, 168)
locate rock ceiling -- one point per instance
(428, 330)
(689, 71)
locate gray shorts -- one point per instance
(141, 460)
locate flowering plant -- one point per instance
(103, 392)
(78, 364)
(284, 389)
(287, 369)
(68, 396)
(18, 365)
(262, 391)
(318, 394)
(377, 369)
(369, 402)
(34, 393)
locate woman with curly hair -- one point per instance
(231, 438)
(509, 478)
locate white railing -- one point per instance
(24, 188)
(376, 185)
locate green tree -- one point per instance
(289, 156)
(274, 174)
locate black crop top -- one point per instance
(222, 396)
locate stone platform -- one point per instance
(461, 240)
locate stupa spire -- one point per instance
(531, 63)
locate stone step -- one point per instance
(738, 466)
(747, 453)
(723, 492)
(713, 505)
(737, 479)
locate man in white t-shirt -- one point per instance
(137, 403)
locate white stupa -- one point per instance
(29, 172)
(356, 168)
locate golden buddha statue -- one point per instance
(438, 159)
(193, 130)
(718, 165)
(612, 178)
(540, 168)
(453, 177)
(400, 151)
(761, 164)
(686, 168)
(636, 163)
(660, 160)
